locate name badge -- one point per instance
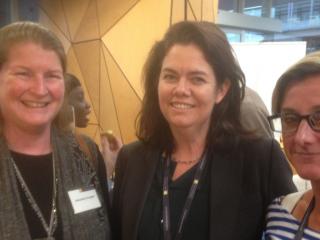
(84, 200)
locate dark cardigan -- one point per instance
(243, 181)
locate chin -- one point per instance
(82, 124)
(312, 174)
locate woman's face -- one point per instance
(303, 146)
(31, 87)
(81, 107)
(188, 88)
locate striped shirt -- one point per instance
(282, 225)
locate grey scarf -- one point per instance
(73, 172)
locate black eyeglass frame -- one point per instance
(307, 117)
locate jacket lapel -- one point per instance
(140, 185)
(225, 188)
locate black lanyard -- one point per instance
(304, 221)
(187, 205)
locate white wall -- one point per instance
(263, 63)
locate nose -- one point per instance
(39, 85)
(182, 88)
(87, 105)
(304, 134)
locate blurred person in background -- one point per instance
(79, 117)
(254, 114)
(76, 98)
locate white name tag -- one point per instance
(84, 200)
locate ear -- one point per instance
(222, 91)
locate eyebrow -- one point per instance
(291, 110)
(194, 72)
(19, 67)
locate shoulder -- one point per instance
(134, 149)
(136, 154)
(86, 138)
(262, 153)
(290, 201)
(258, 146)
(279, 221)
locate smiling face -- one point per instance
(31, 87)
(188, 88)
(303, 146)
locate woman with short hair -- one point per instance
(296, 114)
(49, 188)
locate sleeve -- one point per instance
(280, 174)
(102, 176)
(120, 169)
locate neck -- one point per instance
(28, 142)
(188, 147)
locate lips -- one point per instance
(34, 104)
(181, 105)
(307, 153)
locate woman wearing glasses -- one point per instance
(296, 108)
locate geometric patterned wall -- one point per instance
(107, 42)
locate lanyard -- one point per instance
(304, 221)
(187, 205)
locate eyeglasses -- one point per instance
(289, 122)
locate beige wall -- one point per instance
(107, 42)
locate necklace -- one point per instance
(184, 162)
(50, 229)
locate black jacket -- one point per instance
(244, 181)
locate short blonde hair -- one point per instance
(19, 32)
(306, 67)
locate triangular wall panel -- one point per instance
(177, 11)
(89, 26)
(194, 10)
(54, 10)
(108, 114)
(139, 29)
(208, 10)
(47, 22)
(109, 12)
(127, 103)
(87, 54)
(75, 11)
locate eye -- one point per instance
(198, 80)
(169, 77)
(290, 119)
(80, 97)
(53, 76)
(315, 119)
(21, 73)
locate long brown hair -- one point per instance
(152, 127)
